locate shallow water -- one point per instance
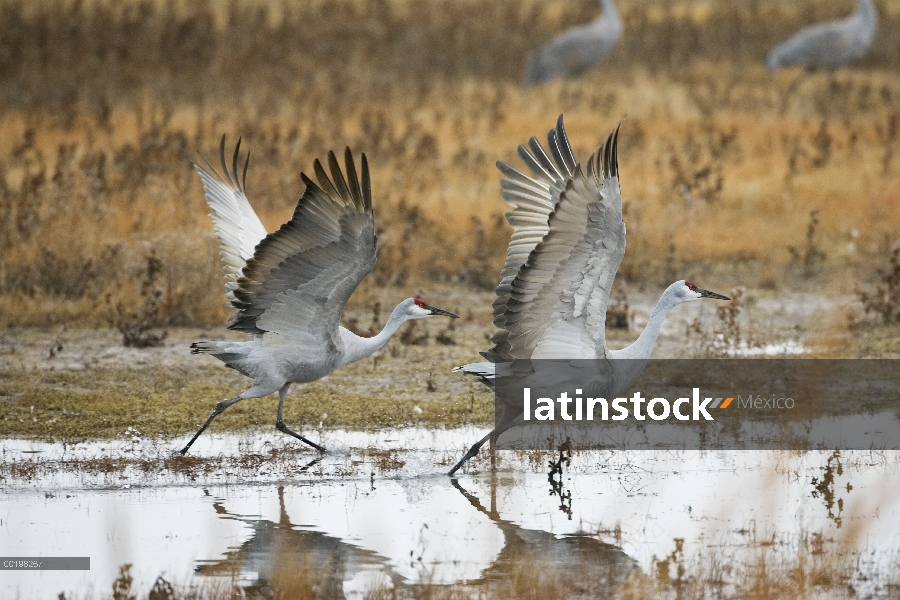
(394, 517)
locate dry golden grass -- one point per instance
(722, 163)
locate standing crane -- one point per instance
(289, 288)
(828, 45)
(567, 243)
(573, 52)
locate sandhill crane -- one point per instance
(289, 288)
(573, 52)
(568, 240)
(828, 45)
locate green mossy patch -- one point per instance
(104, 403)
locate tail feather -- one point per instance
(484, 371)
(224, 351)
(207, 347)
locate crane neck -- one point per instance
(866, 11)
(357, 347)
(643, 346)
(610, 14)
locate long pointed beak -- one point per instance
(437, 311)
(708, 294)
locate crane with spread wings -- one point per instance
(567, 243)
(289, 288)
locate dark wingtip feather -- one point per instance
(222, 160)
(338, 177)
(234, 164)
(614, 162)
(244, 177)
(554, 134)
(307, 181)
(612, 158)
(352, 179)
(605, 160)
(564, 146)
(559, 146)
(366, 183)
(228, 175)
(322, 177)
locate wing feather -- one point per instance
(300, 277)
(235, 222)
(532, 199)
(554, 305)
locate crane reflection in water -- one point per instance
(279, 553)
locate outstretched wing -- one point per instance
(532, 199)
(555, 304)
(300, 277)
(236, 225)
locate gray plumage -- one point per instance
(567, 244)
(289, 288)
(573, 52)
(828, 45)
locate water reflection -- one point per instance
(555, 478)
(585, 563)
(359, 519)
(325, 561)
(332, 567)
(824, 487)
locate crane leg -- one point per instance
(473, 451)
(280, 426)
(221, 406)
(507, 420)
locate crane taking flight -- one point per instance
(567, 243)
(828, 45)
(289, 288)
(573, 52)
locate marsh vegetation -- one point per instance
(782, 186)
(105, 107)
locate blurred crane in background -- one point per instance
(573, 52)
(567, 243)
(828, 45)
(289, 288)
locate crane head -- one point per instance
(687, 291)
(416, 308)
